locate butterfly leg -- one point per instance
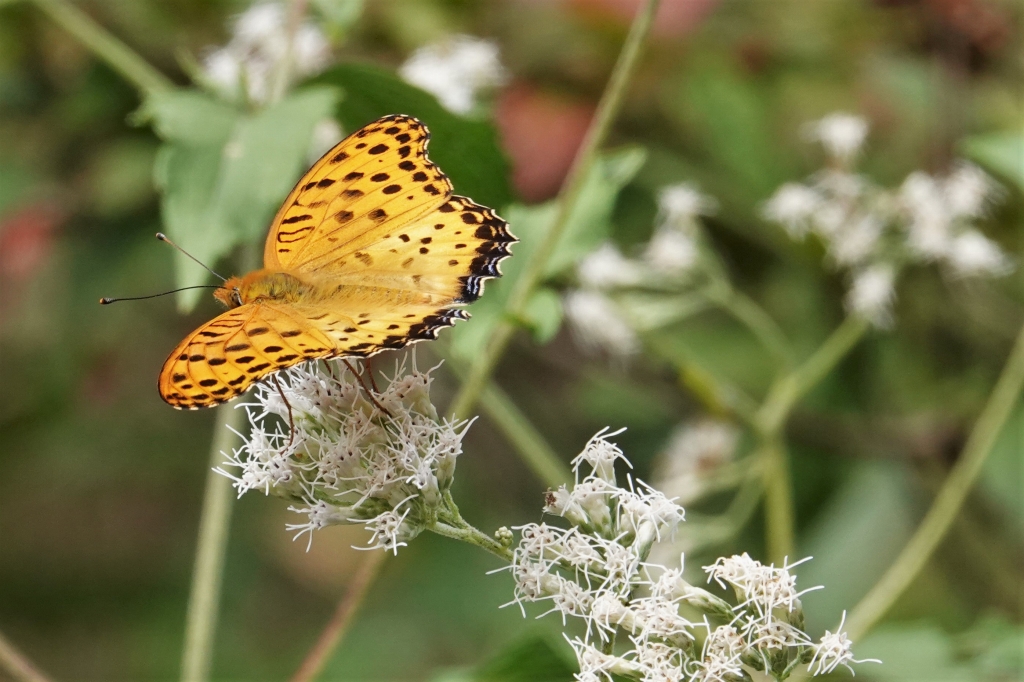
(369, 371)
(291, 420)
(370, 394)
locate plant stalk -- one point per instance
(607, 109)
(106, 46)
(211, 547)
(336, 628)
(770, 420)
(17, 665)
(533, 449)
(948, 501)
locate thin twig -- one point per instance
(106, 46)
(948, 501)
(568, 200)
(17, 665)
(336, 628)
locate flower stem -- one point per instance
(16, 665)
(473, 536)
(214, 522)
(771, 418)
(568, 200)
(106, 46)
(748, 313)
(948, 501)
(335, 630)
(533, 449)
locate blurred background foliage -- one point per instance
(102, 482)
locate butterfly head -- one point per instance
(231, 293)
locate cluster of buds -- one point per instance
(619, 296)
(870, 232)
(597, 570)
(321, 439)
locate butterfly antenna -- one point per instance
(163, 237)
(108, 301)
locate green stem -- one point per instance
(772, 416)
(332, 635)
(473, 536)
(778, 503)
(16, 665)
(785, 392)
(532, 448)
(568, 199)
(214, 522)
(748, 313)
(948, 501)
(106, 46)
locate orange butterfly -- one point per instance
(370, 251)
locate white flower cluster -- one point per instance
(668, 259)
(597, 570)
(384, 460)
(262, 51)
(455, 71)
(694, 451)
(870, 231)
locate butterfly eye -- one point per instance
(236, 297)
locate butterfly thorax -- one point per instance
(262, 285)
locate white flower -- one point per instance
(600, 454)
(793, 206)
(834, 650)
(671, 251)
(350, 458)
(606, 268)
(766, 588)
(968, 190)
(694, 451)
(929, 224)
(841, 134)
(598, 324)
(681, 203)
(261, 49)
(856, 241)
(455, 70)
(974, 254)
(871, 294)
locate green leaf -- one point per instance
(224, 174)
(1002, 153)
(536, 659)
(589, 225)
(467, 150)
(543, 314)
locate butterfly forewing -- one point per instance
(221, 359)
(378, 175)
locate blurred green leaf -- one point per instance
(224, 174)
(119, 176)
(544, 314)
(1002, 153)
(923, 653)
(588, 226)
(337, 17)
(465, 149)
(536, 659)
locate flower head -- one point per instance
(455, 70)
(841, 134)
(872, 293)
(262, 51)
(598, 324)
(383, 460)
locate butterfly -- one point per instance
(370, 251)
